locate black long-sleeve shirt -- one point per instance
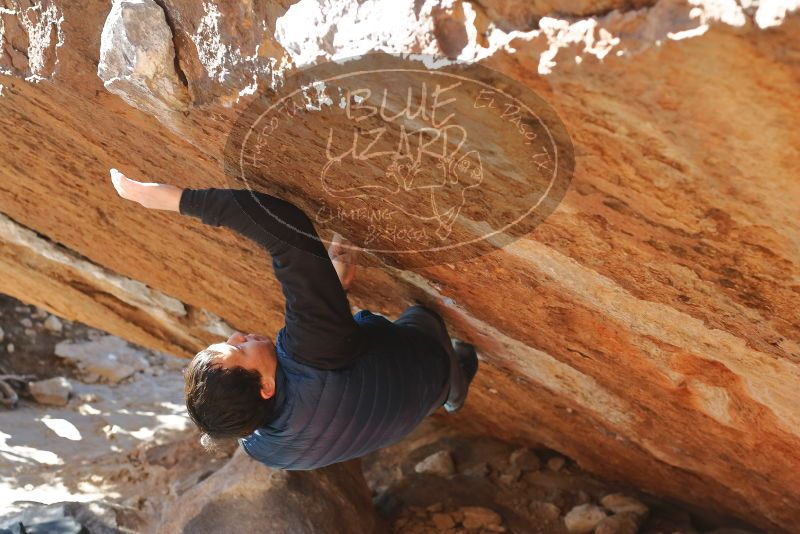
(320, 330)
(345, 386)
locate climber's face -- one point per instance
(251, 352)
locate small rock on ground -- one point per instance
(477, 470)
(443, 521)
(511, 475)
(525, 459)
(619, 503)
(53, 324)
(53, 391)
(476, 517)
(440, 463)
(544, 511)
(584, 518)
(624, 523)
(556, 463)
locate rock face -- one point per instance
(246, 495)
(648, 328)
(137, 57)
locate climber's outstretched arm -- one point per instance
(320, 329)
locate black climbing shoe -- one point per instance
(467, 357)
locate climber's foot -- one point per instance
(467, 357)
(468, 361)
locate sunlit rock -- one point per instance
(137, 58)
(109, 358)
(54, 391)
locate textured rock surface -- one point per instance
(137, 57)
(108, 358)
(245, 495)
(647, 329)
(36, 269)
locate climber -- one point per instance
(333, 386)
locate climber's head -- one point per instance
(230, 386)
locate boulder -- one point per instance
(54, 391)
(137, 57)
(109, 357)
(663, 283)
(246, 496)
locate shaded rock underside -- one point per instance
(647, 329)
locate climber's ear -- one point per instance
(267, 388)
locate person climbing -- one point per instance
(334, 386)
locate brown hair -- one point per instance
(224, 403)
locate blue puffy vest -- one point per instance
(329, 416)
